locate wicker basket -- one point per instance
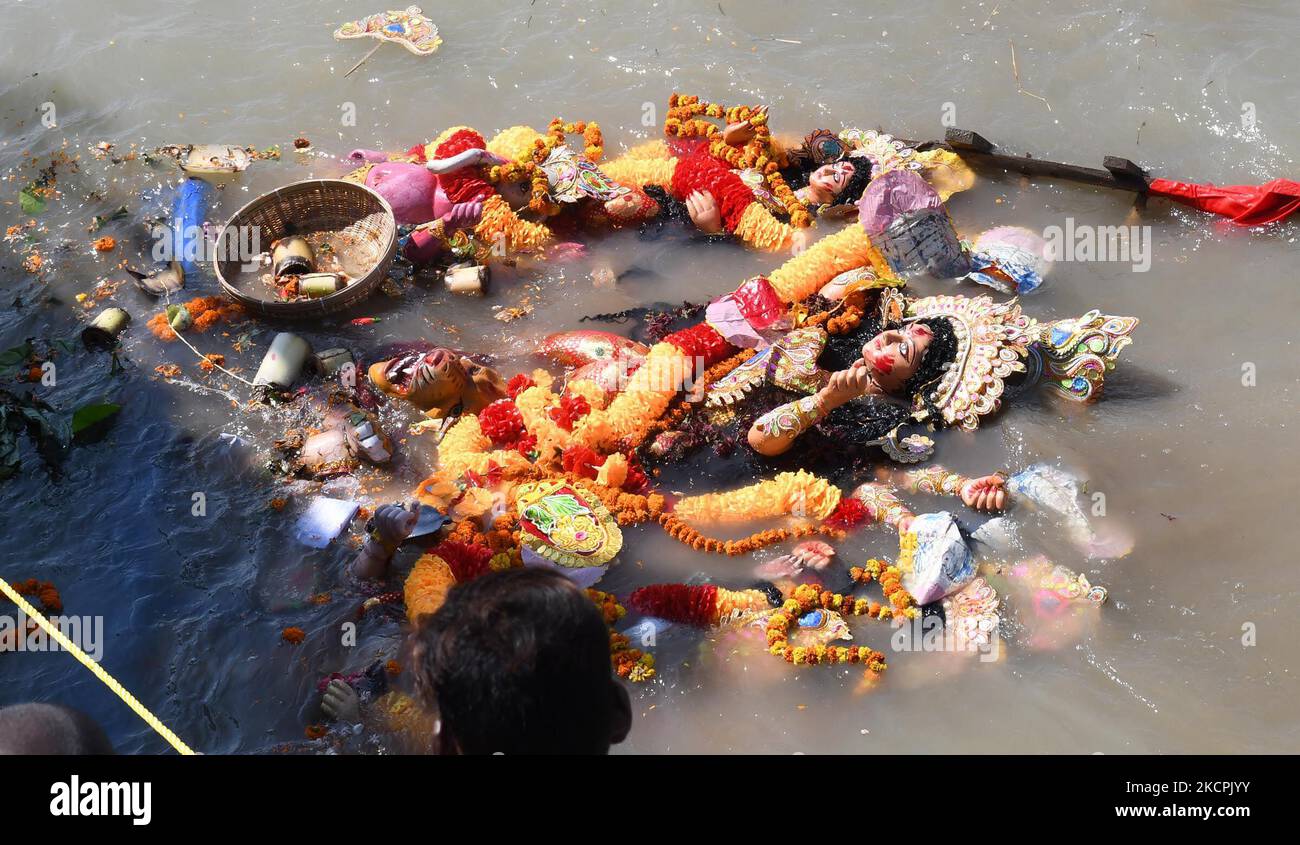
(313, 205)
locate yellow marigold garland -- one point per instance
(733, 603)
(627, 662)
(645, 164)
(806, 273)
(809, 597)
(500, 221)
(593, 142)
(682, 532)
(797, 493)
(527, 149)
(427, 585)
(758, 228)
(644, 400)
(515, 143)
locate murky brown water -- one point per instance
(1200, 469)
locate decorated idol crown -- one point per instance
(995, 341)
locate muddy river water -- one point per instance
(1193, 445)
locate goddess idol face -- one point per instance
(894, 355)
(831, 178)
(516, 192)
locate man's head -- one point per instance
(50, 729)
(518, 662)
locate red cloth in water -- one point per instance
(1246, 205)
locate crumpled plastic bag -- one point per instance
(892, 195)
(942, 563)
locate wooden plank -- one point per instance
(963, 139)
(1125, 171)
(980, 153)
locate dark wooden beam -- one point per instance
(980, 153)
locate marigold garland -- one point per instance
(626, 508)
(761, 230)
(427, 586)
(797, 493)
(809, 597)
(627, 662)
(205, 312)
(528, 149)
(500, 225)
(684, 406)
(643, 401)
(644, 164)
(593, 142)
(804, 274)
(608, 604)
(503, 537)
(701, 605)
(506, 560)
(684, 533)
(758, 153)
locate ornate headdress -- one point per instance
(942, 168)
(992, 341)
(883, 151)
(1076, 354)
(557, 173)
(819, 147)
(995, 340)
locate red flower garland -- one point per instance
(526, 445)
(637, 481)
(848, 514)
(581, 461)
(502, 422)
(466, 184)
(570, 410)
(701, 341)
(692, 604)
(465, 561)
(702, 172)
(518, 384)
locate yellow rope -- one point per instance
(109, 680)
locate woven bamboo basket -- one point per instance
(313, 205)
